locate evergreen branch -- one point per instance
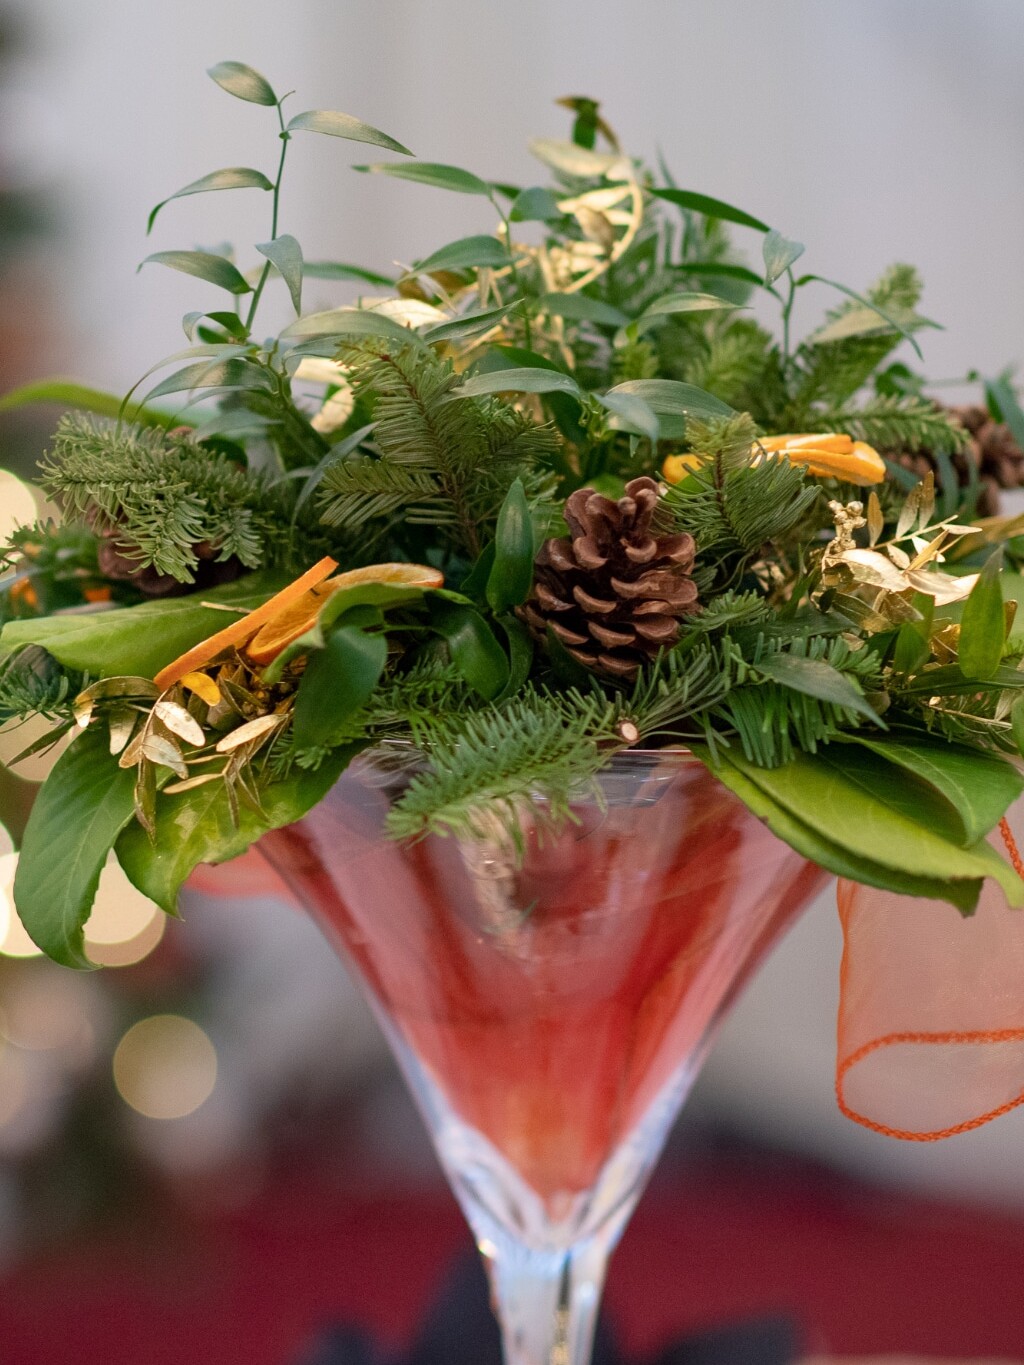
(895, 422)
(33, 683)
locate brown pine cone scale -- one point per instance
(613, 591)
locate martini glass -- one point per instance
(549, 997)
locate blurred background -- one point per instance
(205, 1153)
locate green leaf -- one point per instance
(634, 412)
(534, 205)
(674, 401)
(815, 678)
(516, 381)
(285, 254)
(216, 374)
(231, 323)
(688, 302)
(242, 82)
(337, 681)
(232, 178)
(337, 270)
(350, 322)
(511, 576)
(520, 649)
(983, 623)
(1017, 724)
(873, 824)
(68, 394)
(711, 208)
(333, 124)
(81, 808)
(431, 173)
(808, 839)
(726, 269)
(582, 308)
(205, 265)
(140, 640)
(1002, 398)
(977, 786)
(472, 645)
(469, 324)
(196, 826)
(568, 158)
(779, 254)
(468, 253)
(829, 332)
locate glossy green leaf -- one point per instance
(285, 254)
(140, 640)
(232, 178)
(470, 324)
(520, 650)
(205, 265)
(511, 576)
(711, 208)
(726, 269)
(217, 374)
(468, 253)
(338, 270)
(337, 681)
(81, 808)
(332, 123)
(977, 786)
(534, 205)
(983, 623)
(1017, 724)
(581, 308)
(431, 173)
(67, 394)
(634, 413)
(242, 82)
(874, 824)
(815, 678)
(472, 645)
(674, 402)
(810, 840)
(197, 826)
(516, 381)
(779, 254)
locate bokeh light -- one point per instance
(124, 925)
(165, 1067)
(18, 506)
(14, 941)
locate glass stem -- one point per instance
(547, 1301)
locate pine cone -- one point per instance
(117, 563)
(991, 449)
(614, 590)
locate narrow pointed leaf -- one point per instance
(431, 173)
(338, 270)
(232, 178)
(687, 302)
(829, 332)
(221, 374)
(516, 381)
(285, 254)
(332, 123)
(815, 678)
(571, 159)
(470, 324)
(348, 322)
(231, 323)
(711, 208)
(534, 205)
(983, 623)
(337, 681)
(69, 394)
(1002, 398)
(243, 82)
(511, 576)
(634, 412)
(582, 308)
(205, 265)
(674, 402)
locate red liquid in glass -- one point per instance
(551, 1001)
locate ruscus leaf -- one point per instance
(511, 576)
(779, 254)
(983, 623)
(243, 82)
(285, 254)
(205, 265)
(334, 124)
(232, 178)
(431, 173)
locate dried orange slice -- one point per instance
(298, 616)
(238, 632)
(825, 454)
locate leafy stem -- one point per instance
(265, 272)
(514, 271)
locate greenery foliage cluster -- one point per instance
(852, 671)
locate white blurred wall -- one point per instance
(872, 130)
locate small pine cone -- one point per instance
(614, 590)
(116, 563)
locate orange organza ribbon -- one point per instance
(931, 1011)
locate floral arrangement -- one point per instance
(548, 493)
